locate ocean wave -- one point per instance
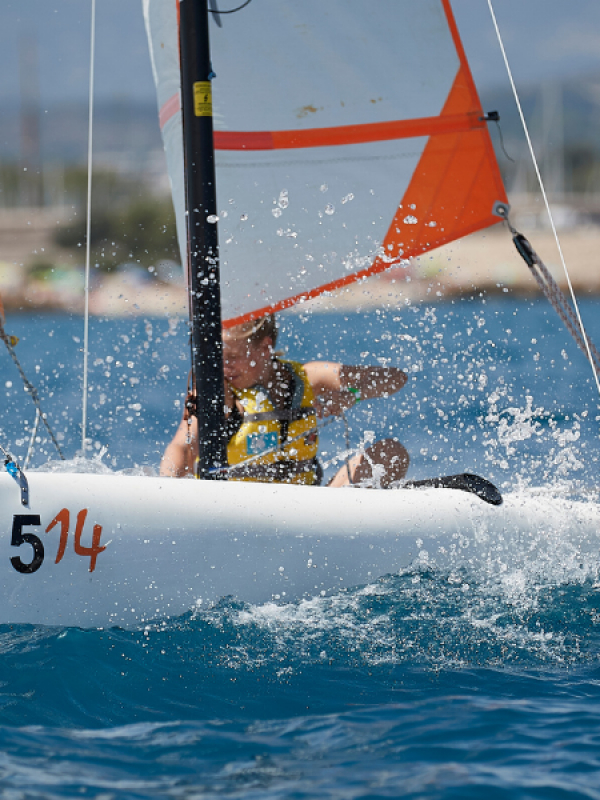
(350, 647)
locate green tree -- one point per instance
(142, 231)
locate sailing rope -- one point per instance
(555, 296)
(575, 323)
(216, 11)
(32, 438)
(348, 447)
(29, 387)
(88, 233)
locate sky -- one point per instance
(545, 40)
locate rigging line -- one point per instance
(6, 453)
(561, 305)
(544, 195)
(348, 448)
(88, 232)
(32, 439)
(29, 387)
(502, 141)
(557, 298)
(217, 11)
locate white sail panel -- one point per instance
(284, 64)
(160, 17)
(334, 124)
(314, 217)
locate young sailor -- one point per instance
(272, 406)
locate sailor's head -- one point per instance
(248, 351)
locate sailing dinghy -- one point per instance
(347, 138)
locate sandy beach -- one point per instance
(483, 262)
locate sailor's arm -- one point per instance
(338, 386)
(178, 458)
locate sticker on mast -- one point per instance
(202, 99)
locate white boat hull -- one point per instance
(170, 545)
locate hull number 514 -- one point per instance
(63, 520)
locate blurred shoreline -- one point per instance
(485, 262)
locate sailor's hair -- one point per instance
(256, 330)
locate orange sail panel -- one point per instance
(348, 137)
(455, 186)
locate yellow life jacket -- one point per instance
(288, 436)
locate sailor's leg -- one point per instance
(385, 461)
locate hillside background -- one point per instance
(44, 54)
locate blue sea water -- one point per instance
(423, 684)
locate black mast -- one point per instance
(203, 248)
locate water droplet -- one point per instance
(212, 218)
(410, 220)
(277, 212)
(329, 209)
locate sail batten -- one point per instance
(348, 136)
(330, 137)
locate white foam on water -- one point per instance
(503, 605)
(80, 465)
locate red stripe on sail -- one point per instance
(332, 137)
(169, 109)
(234, 140)
(346, 134)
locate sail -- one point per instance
(349, 136)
